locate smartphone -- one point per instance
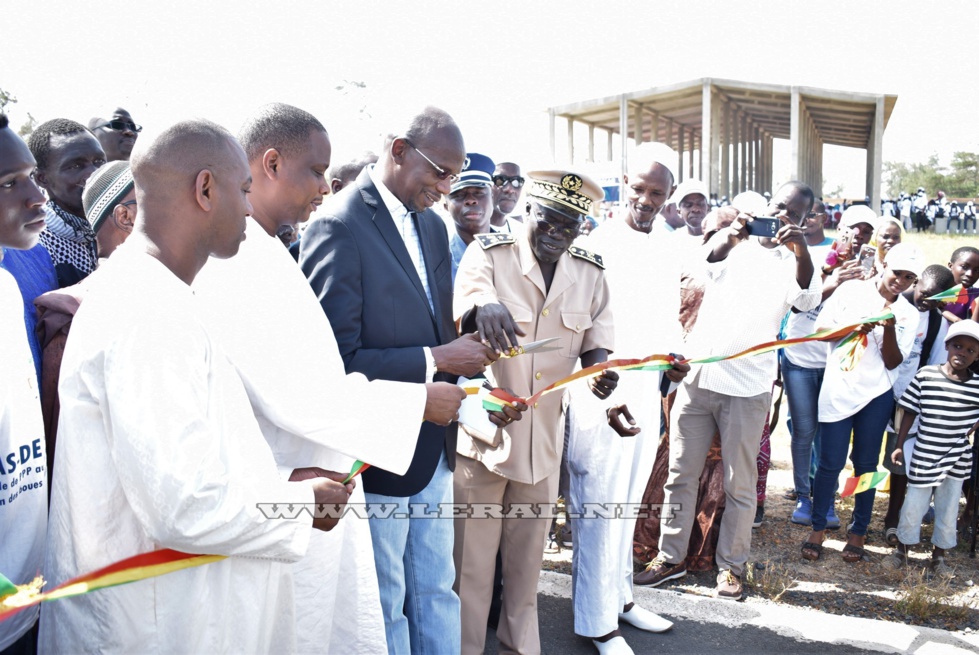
(763, 227)
(868, 254)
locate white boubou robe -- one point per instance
(643, 276)
(265, 315)
(158, 448)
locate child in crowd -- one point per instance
(930, 331)
(947, 399)
(965, 267)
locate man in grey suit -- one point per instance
(379, 263)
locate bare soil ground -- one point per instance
(778, 573)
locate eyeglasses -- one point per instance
(442, 174)
(513, 180)
(120, 125)
(550, 229)
(128, 203)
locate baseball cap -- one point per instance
(905, 257)
(963, 329)
(856, 214)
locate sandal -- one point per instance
(890, 536)
(853, 554)
(811, 551)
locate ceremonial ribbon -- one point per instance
(14, 599)
(853, 344)
(856, 485)
(358, 468)
(957, 294)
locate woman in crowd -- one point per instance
(860, 399)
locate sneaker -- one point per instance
(728, 586)
(803, 511)
(659, 571)
(832, 521)
(759, 517)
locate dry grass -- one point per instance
(770, 579)
(924, 597)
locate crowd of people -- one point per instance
(152, 287)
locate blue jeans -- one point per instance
(867, 426)
(915, 506)
(415, 572)
(802, 387)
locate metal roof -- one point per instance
(841, 118)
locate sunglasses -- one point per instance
(120, 125)
(553, 230)
(513, 180)
(441, 173)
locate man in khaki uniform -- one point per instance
(533, 284)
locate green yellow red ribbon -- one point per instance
(957, 294)
(14, 598)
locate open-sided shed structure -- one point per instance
(723, 129)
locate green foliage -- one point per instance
(958, 180)
(6, 98)
(28, 126)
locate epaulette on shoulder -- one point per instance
(581, 253)
(487, 241)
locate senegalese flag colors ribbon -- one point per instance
(853, 343)
(355, 470)
(957, 294)
(856, 485)
(14, 598)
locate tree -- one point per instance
(28, 126)
(6, 98)
(959, 180)
(963, 180)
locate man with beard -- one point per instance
(67, 154)
(116, 134)
(23, 519)
(470, 204)
(733, 397)
(532, 283)
(643, 272)
(507, 183)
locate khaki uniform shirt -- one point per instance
(575, 309)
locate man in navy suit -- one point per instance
(379, 263)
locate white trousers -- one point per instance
(609, 475)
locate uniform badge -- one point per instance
(487, 241)
(581, 253)
(571, 182)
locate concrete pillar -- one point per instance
(744, 152)
(736, 154)
(570, 141)
(726, 153)
(710, 139)
(795, 135)
(550, 120)
(875, 155)
(679, 153)
(637, 124)
(690, 151)
(623, 145)
(610, 136)
(591, 142)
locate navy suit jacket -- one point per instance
(359, 268)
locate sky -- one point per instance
(495, 67)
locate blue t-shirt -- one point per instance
(35, 275)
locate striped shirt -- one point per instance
(947, 409)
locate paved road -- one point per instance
(708, 625)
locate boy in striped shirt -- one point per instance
(947, 398)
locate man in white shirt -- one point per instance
(23, 462)
(157, 443)
(752, 282)
(643, 273)
(310, 412)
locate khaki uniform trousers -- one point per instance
(521, 545)
(697, 413)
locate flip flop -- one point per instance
(890, 536)
(811, 550)
(856, 554)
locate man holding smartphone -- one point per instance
(771, 275)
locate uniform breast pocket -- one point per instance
(576, 323)
(520, 313)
